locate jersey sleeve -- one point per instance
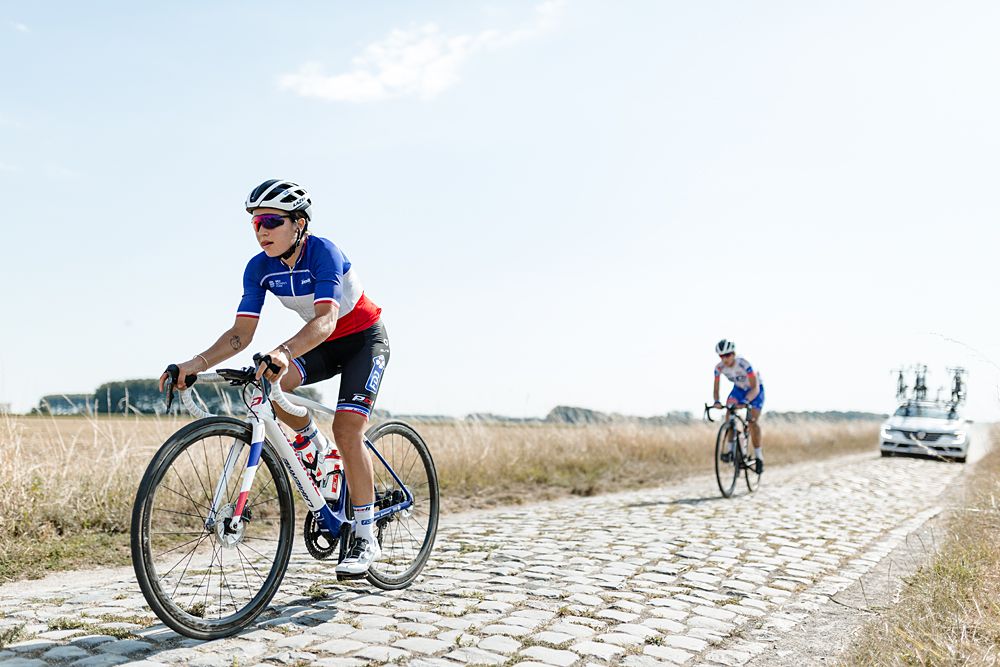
(718, 370)
(328, 272)
(748, 368)
(253, 293)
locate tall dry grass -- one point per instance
(949, 611)
(486, 464)
(67, 484)
(66, 488)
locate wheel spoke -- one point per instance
(175, 544)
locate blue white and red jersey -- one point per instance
(322, 274)
(739, 373)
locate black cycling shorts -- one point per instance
(360, 360)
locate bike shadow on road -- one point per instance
(676, 501)
(296, 615)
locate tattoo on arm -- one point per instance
(235, 342)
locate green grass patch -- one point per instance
(90, 627)
(12, 635)
(34, 558)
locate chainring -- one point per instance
(319, 544)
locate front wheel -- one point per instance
(726, 473)
(406, 536)
(750, 470)
(202, 577)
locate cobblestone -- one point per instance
(680, 576)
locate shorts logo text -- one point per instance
(378, 365)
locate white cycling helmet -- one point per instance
(725, 346)
(282, 195)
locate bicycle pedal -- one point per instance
(350, 577)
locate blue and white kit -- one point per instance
(322, 274)
(739, 374)
(358, 348)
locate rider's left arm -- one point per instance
(754, 388)
(315, 331)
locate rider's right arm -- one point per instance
(715, 389)
(239, 336)
(233, 341)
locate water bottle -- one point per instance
(308, 455)
(332, 467)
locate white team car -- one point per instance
(926, 428)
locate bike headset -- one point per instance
(284, 196)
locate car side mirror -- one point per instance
(968, 421)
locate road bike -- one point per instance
(734, 438)
(214, 516)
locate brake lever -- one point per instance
(259, 359)
(173, 371)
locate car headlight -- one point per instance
(959, 437)
(886, 432)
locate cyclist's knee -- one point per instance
(348, 429)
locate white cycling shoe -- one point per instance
(360, 558)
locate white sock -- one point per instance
(364, 521)
(759, 452)
(312, 433)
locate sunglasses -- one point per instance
(726, 356)
(267, 221)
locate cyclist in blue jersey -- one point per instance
(748, 389)
(343, 334)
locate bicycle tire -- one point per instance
(750, 470)
(725, 471)
(400, 565)
(187, 621)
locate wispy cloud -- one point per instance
(421, 62)
(20, 27)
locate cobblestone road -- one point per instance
(672, 575)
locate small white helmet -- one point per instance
(725, 346)
(282, 195)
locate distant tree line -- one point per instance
(566, 414)
(143, 397)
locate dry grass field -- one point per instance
(949, 611)
(67, 483)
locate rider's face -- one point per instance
(728, 359)
(275, 241)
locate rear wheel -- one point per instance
(726, 474)
(406, 536)
(202, 578)
(750, 468)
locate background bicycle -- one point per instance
(733, 439)
(213, 519)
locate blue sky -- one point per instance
(554, 202)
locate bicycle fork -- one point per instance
(261, 430)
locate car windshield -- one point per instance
(928, 411)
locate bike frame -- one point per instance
(264, 428)
(739, 426)
(737, 423)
